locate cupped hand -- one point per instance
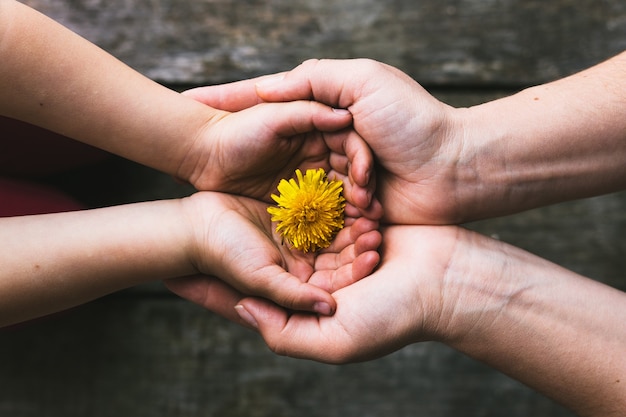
(249, 151)
(415, 138)
(399, 304)
(411, 133)
(235, 241)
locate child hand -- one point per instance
(248, 152)
(233, 239)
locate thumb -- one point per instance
(285, 334)
(326, 81)
(262, 314)
(298, 117)
(232, 97)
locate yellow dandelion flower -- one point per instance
(309, 212)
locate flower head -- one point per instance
(310, 211)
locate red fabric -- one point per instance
(28, 153)
(19, 198)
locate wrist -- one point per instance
(526, 316)
(481, 177)
(473, 291)
(201, 218)
(195, 163)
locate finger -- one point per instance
(208, 292)
(294, 118)
(231, 97)
(361, 267)
(352, 157)
(352, 256)
(354, 263)
(359, 163)
(311, 80)
(348, 235)
(287, 290)
(339, 163)
(357, 196)
(296, 336)
(366, 242)
(374, 211)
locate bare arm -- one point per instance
(550, 143)
(554, 330)
(56, 261)
(53, 78)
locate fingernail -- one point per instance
(342, 112)
(322, 308)
(270, 80)
(246, 316)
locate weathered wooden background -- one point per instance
(144, 352)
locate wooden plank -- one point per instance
(469, 42)
(122, 356)
(145, 353)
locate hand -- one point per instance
(496, 303)
(235, 242)
(249, 151)
(409, 131)
(399, 304)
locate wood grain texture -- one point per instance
(145, 357)
(144, 352)
(484, 42)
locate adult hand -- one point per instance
(516, 312)
(436, 164)
(235, 241)
(399, 304)
(408, 130)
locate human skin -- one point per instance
(547, 327)
(55, 261)
(554, 330)
(443, 165)
(52, 78)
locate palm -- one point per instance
(237, 244)
(397, 305)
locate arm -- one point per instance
(558, 332)
(550, 143)
(55, 261)
(53, 78)
(52, 262)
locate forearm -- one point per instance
(55, 261)
(55, 79)
(547, 327)
(550, 143)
